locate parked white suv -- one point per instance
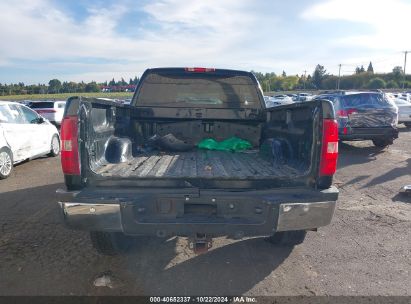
(52, 110)
(305, 97)
(24, 134)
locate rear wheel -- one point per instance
(287, 238)
(382, 142)
(6, 163)
(55, 146)
(110, 243)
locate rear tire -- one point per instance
(6, 163)
(55, 146)
(110, 243)
(287, 238)
(382, 142)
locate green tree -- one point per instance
(92, 87)
(112, 82)
(408, 84)
(397, 70)
(397, 73)
(72, 86)
(42, 88)
(330, 82)
(258, 75)
(81, 87)
(359, 70)
(376, 83)
(122, 82)
(392, 84)
(318, 76)
(69, 87)
(289, 83)
(54, 86)
(370, 68)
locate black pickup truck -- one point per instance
(137, 170)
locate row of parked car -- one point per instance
(401, 100)
(281, 99)
(361, 115)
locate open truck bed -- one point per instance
(117, 139)
(200, 164)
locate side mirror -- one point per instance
(40, 120)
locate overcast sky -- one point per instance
(97, 40)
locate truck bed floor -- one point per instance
(199, 164)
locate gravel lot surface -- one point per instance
(365, 251)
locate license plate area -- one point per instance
(183, 210)
(200, 210)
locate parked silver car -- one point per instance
(404, 111)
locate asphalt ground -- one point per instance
(364, 251)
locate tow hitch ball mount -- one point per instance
(200, 243)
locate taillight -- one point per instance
(69, 146)
(329, 151)
(345, 113)
(345, 130)
(200, 70)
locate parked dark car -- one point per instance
(365, 116)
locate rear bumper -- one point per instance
(368, 133)
(93, 217)
(226, 215)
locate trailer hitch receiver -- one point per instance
(200, 243)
